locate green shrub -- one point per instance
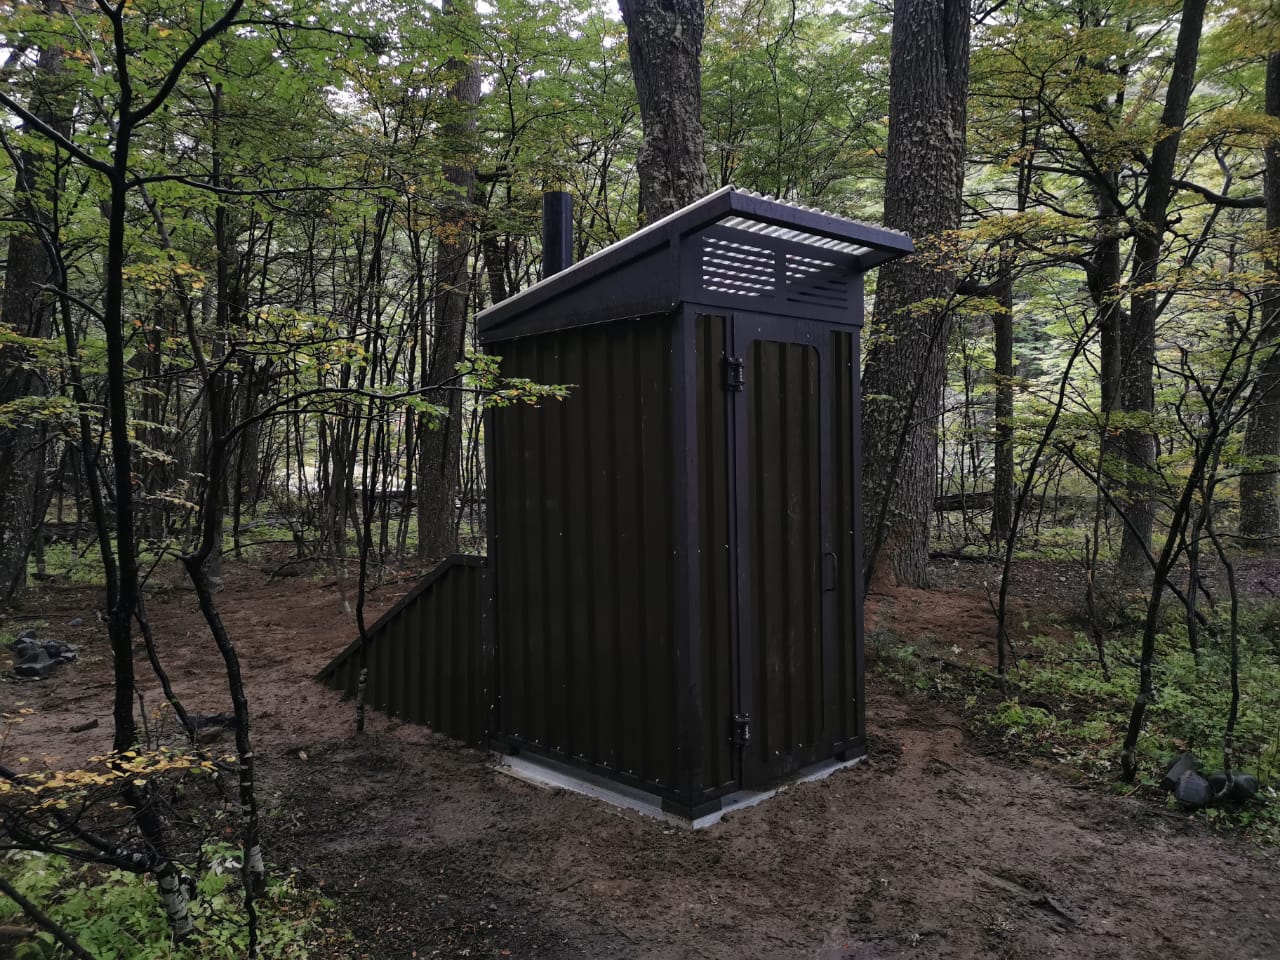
(1088, 712)
(117, 915)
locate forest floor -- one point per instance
(936, 846)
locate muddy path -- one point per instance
(931, 848)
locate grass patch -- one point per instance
(81, 564)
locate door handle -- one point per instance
(830, 568)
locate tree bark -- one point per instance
(664, 40)
(28, 307)
(120, 617)
(1104, 289)
(441, 448)
(1138, 345)
(906, 357)
(1260, 489)
(1003, 486)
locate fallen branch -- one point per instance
(44, 921)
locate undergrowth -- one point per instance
(1060, 707)
(82, 563)
(116, 915)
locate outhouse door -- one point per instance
(785, 564)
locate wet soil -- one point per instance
(932, 848)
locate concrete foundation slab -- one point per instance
(550, 775)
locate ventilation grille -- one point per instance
(746, 270)
(818, 282)
(737, 268)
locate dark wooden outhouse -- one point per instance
(674, 550)
(671, 597)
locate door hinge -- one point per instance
(735, 373)
(740, 729)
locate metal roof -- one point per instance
(729, 208)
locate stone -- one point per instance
(25, 648)
(59, 651)
(36, 667)
(1242, 787)
(1186, 762)
(37, 658)
(1192, 791)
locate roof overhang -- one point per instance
(728, 208)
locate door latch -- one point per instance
(735, 373)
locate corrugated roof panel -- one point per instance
(580, 267)
(786, 233)
(728, 207)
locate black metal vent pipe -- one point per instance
(557, 232)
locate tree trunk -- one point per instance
(120, 619)
(29, 310)
(495, 265)
(1260, 490)
(441, 448)
(1138, 345)
(664, 40)
(226, 295)
(1104, 288)
(906, 366)
(1002, 488)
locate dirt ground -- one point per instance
(932, 848)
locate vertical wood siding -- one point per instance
(583, 539)
(783, 554)
(428, 656)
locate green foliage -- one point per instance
(1018, 720)
(794, 100)
(117, 915)
(561, 113)
(901, 662)
(482, 372)
(82, 564)
(1066, 710)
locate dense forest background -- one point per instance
(294, 227)
(246, 242)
